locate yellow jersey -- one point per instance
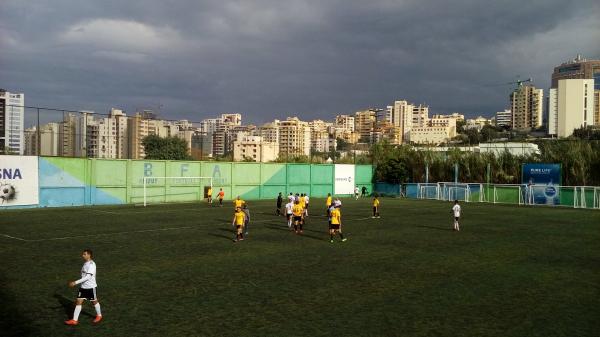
(297, 210)
(336, 217)
(239, 218)
(375, 202)
(209, 192)
(302, 202)
(328, 202)
(238, 202)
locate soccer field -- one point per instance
(173, 270)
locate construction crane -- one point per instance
(520, 82)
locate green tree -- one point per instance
(168, 148)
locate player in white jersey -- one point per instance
(337, 203)
(288, 213)
(291, 198)
(456, 212)
(356, 192)
(306, 199)
(87, 288)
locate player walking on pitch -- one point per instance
(297, 211)
(335, 224)
(279, 204)
(221, 196)
(375, 207)
(238, 224)
(87, 290)
(209, 196)
(456, 211)
(288, 213)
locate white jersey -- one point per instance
(88, 275)
(306, 198)
(356, 190)
(456, 210)
(291, 198)
(337, 203)
(288, 207)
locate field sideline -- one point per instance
(173, 270)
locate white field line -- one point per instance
(132, 232)
(12, 237)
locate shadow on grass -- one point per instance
(438, 228)
(12, 322)
(286, 229)
(221, 236)
(68, 304)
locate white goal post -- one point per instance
(175, 189)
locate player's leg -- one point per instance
(457, 224)
(341, 234)
(374, 212)
(77, 310)
(97, 308)
(331, 233)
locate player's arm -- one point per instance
(81, 280)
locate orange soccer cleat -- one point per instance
(97, 319)
(71, 322)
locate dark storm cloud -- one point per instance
(271, 59)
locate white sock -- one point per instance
(97, 307)
(76, 312)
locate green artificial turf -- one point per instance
(173, 270)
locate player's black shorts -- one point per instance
(456, 218)
(288, 216)
(88, 294)
(297, 218)
(335, 226)
(306, 206)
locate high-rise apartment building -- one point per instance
(345, 122)
(364, 123)
(504, 119)
(48, 141)
(294, 137)
(526, 106)
(269, 131)
(581, 68)
(12, 120)
(402, 116)
(570, 106)
(420, 115)
(254, 148)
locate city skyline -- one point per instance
(269, 60)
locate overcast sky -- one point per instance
(276, 58)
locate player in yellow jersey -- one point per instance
(336, 224)
(328, 203)
(209, 196)
(375, 207)
(238, 202)
(303, 204)
(238, 223)
(297, 212)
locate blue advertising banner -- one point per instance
(543, 182)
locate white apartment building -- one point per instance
(319, 135)
(12, 120)
(477, 123)
(420, 115)
(294, 137)
(269, 131)
(402, 116)
(570, 106)
(254, 148)
(48, 140)
(344, 122)
(504, 118)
